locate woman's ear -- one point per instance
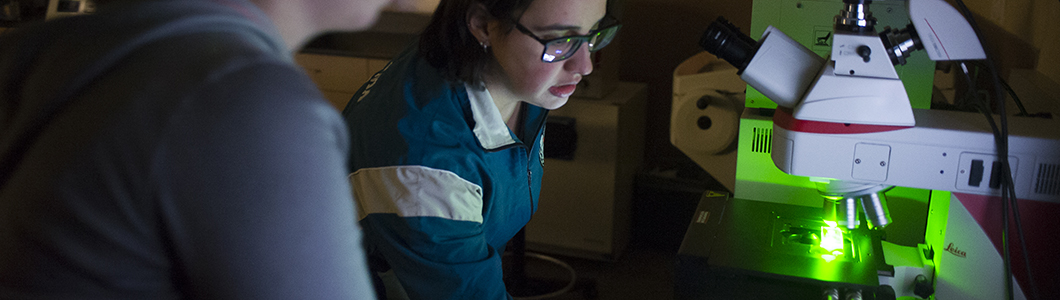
(478, 23)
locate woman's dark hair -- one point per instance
(447, 44)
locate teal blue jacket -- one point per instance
(440, 181)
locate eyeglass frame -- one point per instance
(582, 39)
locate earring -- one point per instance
(484, 46)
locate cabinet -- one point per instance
(338, 77)
(584, 207)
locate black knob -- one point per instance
(704, 122)
(864, 52)
(922, 287)
(885, 292)
(703, 102)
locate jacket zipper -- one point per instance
(529, 156)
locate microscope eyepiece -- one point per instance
(727, 42)
(901, 43)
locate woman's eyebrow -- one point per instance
(564, 27)
(557, 27)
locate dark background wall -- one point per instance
(657, 35)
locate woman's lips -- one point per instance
(562, 91)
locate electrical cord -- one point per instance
(1008, 192)
(1016, 99)
(983, 106)
(1019, 104)
(1006, 177)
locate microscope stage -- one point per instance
(736, 248)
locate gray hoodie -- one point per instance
(170, 149)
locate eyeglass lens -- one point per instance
(561, 49)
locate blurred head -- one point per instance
(300, 20)
(500, 44)
(341, 15)
(326, 15)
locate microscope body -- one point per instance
(846, 122)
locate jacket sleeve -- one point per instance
(258, 205)
(427, 224)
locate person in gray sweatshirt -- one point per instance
(171, 149)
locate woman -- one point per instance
(447, 154)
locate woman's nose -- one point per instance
(581, 62)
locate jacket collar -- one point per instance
(490, 129)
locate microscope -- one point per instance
(844, 124)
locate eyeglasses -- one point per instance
(561, 48)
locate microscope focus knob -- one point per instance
(885, 292)
(864, 52)
(853, 295)
(922, 287)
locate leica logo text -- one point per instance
(953, 250)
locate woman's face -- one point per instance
(520, 75)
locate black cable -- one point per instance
(1016, 99)
(1019, 229)
(983, 106)
(1001, 145)
(1009, 190)
(1006, 177)
(1006, 197)
(1007, 182)
(1008, 194)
